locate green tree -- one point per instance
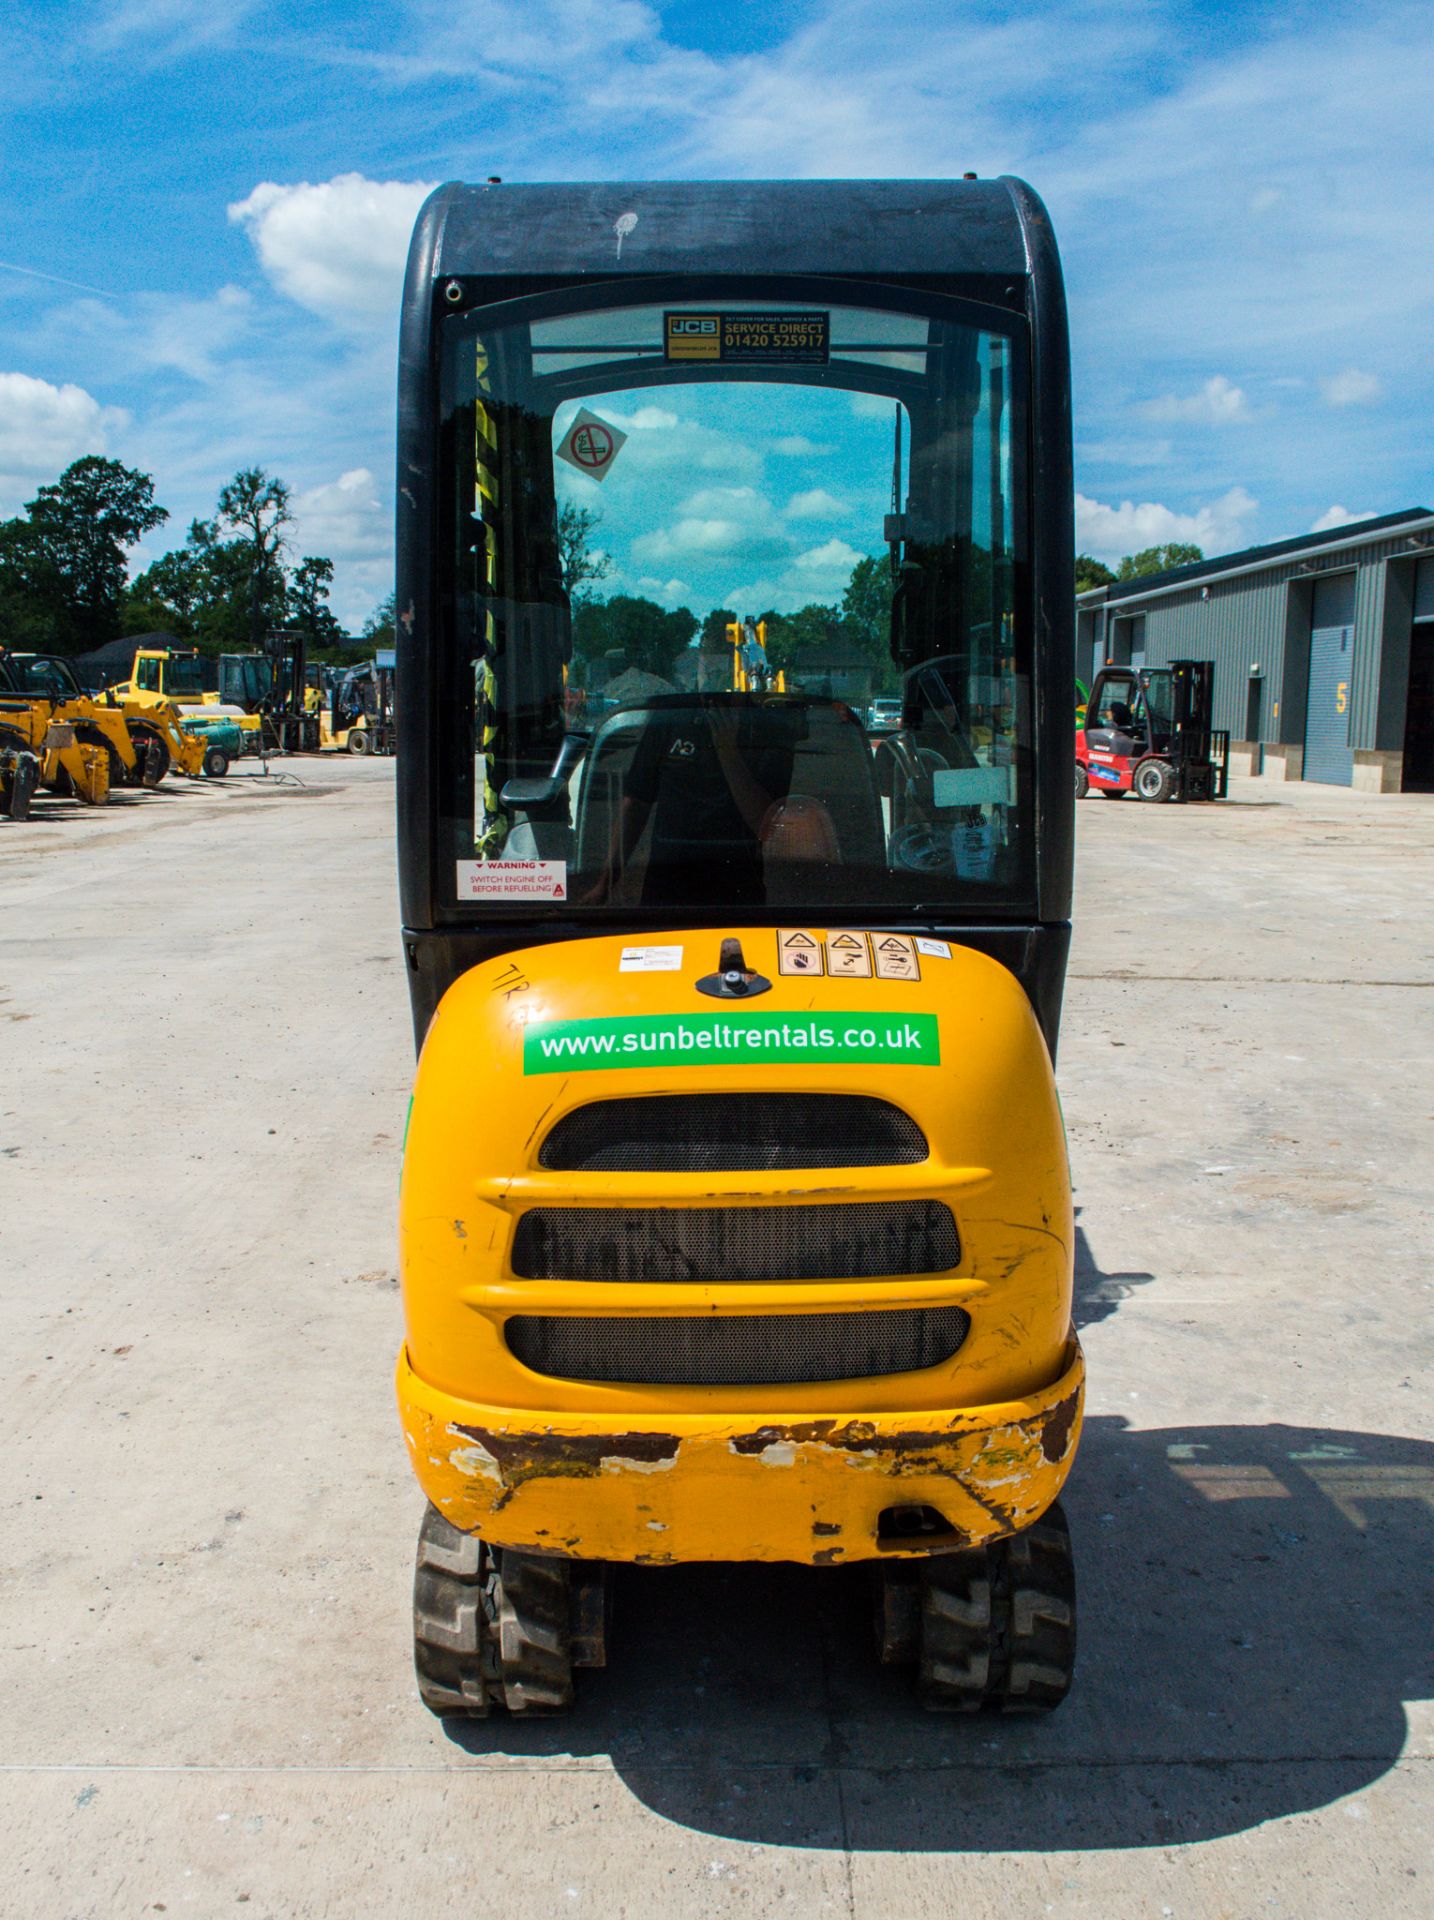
(866, 617)
(254, 509)
(200, 591)
(645, 634)
(791, 635)
(583, 566)
(714, 629)
(63, 566)
(1091, 573)
(1178, 553)
(309, 608)
(866, 606)
(378, 629)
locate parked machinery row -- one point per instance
(54, 736)
(280, 701)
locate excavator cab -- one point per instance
(735, 1219)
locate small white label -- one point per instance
(650, 960)
(512, 879)
(971, 786)
(938, 949)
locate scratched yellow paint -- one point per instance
(771, 1473)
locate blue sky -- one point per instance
(222, 193)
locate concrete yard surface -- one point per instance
(209, 1521)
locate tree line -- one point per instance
(64, 568)
(1135, 566)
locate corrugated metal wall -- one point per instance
(1245, 622)
(1241, 625)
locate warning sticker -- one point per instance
(798, 951)
(938, 949)
(591, 445)
(650, 960)
(802, 339)
(848, 956)
(513, 880)
(895, 957)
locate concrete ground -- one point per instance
(208, 1518)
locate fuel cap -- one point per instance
(733, 980)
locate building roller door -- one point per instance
(1419, 712)
(1327, 751)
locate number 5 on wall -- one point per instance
(1341, 697)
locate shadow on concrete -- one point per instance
(1098, 1294)
(1254, 1613)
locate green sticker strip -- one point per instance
(724, 1040)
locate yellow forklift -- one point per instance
(735, 1219)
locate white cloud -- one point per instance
(343, 518)
(1351, 389)
(1217, 404)
(158, 30)
(797, 446)
(835, 557)
(337, 248)
(1111, 532)
(43, 428)
(645, 420)
(714, 521)
(670, 593)
(1337, 516)
(816, 504)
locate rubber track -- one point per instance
(454, 1652)
(532, 1600)
(998, 1623)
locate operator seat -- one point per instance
(831, 812)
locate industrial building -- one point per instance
(1323, 649)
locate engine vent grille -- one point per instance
(733, 1133)
(738, 1350)
(855, 1241)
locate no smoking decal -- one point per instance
(591, 445)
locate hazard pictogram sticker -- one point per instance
(895, 957)
(591, 445)
(798, 951)
(848, 956)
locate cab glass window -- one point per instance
(733, 610)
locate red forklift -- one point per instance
(1147, 731)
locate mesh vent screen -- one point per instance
(851, 1242)
(738, 1350)
(733, 1133)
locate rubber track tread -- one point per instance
(453, 1647)
(533, 1599)
(998, 1623)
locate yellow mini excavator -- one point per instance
(736, 1217)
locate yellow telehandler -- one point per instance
(138, 755)
(62, 762)
(162, 677)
